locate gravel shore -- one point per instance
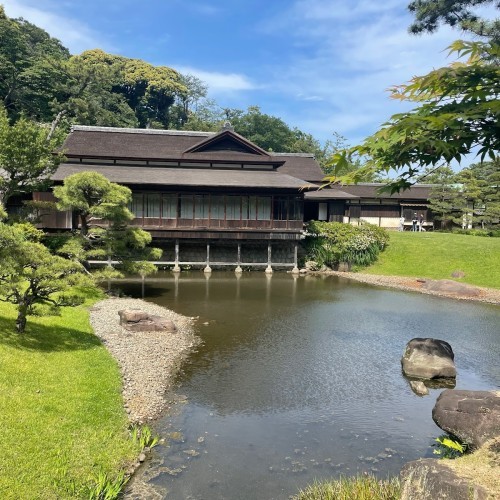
(478, 294)
(149, 361)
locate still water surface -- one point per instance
(300, 379)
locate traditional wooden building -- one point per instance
(212, 198)
(217, 199)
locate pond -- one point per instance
(299, 378)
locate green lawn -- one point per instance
(437, 255)
(61, 413)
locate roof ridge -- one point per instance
(303, 155)
(151, 131)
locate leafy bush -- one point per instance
(329, 243)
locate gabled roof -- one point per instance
(227, 140)
(124, 144)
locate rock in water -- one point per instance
(419, 388)
(471, 416)
(428, 359)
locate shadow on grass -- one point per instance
(44, 338)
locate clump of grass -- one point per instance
(481, 466)
(107, 487)
(144, 437)
(366, 487)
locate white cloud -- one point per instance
(348, 57)
(219, 82)
(73, 34)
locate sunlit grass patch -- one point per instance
(366, 487)
(438, 255)
(61, 409)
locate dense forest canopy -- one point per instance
(41, 80)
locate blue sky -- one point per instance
(321, 65)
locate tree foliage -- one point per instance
(430, 14)
(26, 156)
(469, 198)
(458, 113)
(101, 208)
(33, 279)
(29, 68)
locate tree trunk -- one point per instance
(21, 318)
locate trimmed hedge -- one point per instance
(330, 243)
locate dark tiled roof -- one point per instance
(363, 190)
(196, 177)
(143, 144)
(303, 166)
(329, 194)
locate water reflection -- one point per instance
(300, 378)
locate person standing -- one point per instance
(402, 223)
(421, 222)
(414, 222)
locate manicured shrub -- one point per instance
(329, 243)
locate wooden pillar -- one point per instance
(269, 269)
(176, 268)
(295, 269)
(208, 269)
(238, 269)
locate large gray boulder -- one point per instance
(451, 287)
(135, 320)
(428, 359)
(431, 479)
(471, 416)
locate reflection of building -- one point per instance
(217, 197)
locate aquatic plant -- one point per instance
(143, 435)
(447, 447)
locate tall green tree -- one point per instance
(110, 90)
(33, 279)
(186, 103)
(27, 158)
(30, 68)
(486, 177)
(445, 199)
(458, 106)
(101, 208)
